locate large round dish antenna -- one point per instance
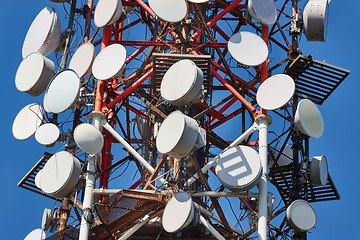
(248, 48)
(308, 119)
(62, 92)
(169, 11)
(34, 74)
(47, 134)
(178, 213)
(88, 138)
(60, 174)
(275, 92)
(110, 62)
(319, 170)
(263, 11)
(44, 34)
(82, 60)
(177, 135)
(301, 216)
(239, 168)
(27, 121)
(315, 17)
(107, 12)
(36, 234)
(182, 83)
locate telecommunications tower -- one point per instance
(176, 119)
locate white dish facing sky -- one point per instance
(275, 92)
(169, 11)
(248, 48)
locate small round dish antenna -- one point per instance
(107, 12)
(47, 134)
(170, 11)
(88, 138)
(110, 62)
(239, 168)
(182, 83)
(308, 119)
(38, 179)
(34, 74)
(36, 234)
(177, 135)
(27, 121)
(248, 48)
(275, 92)
(44, 34)
(62, 92)
(315, 16)
(319, 171)
(82, 60)
(47, 219)
(60, 174)
(263, 11)
(178, 212)
(301, 216)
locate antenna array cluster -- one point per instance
(174, 83)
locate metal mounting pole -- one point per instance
(264, 122)
(90, 183)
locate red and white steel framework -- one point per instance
(229, 101)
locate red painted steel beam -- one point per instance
(129, 90)
(173, 43)
(225, 107)
(248, 105)
(215, 19)
(265, 65)
(136, 111)
(135, 54)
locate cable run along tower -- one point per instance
(176, 119)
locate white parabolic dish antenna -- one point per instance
(62, 92)
(82, 60)
(248, 48)
(88, 138)
(316, 14)
(178, 213)
(47, 134)
(301, 216)
(177, 135)
(34, 74)
(239, 168)
(308, 119)
(109, 62)
(27, 121)
(182, 83)
(36, 234)
(275, 92)
(44, 34)
(107, 12)
(46, 219)
(319, 170)
(60, 174)
(169, 11)
(263, 11)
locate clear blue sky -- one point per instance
(22, 210)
